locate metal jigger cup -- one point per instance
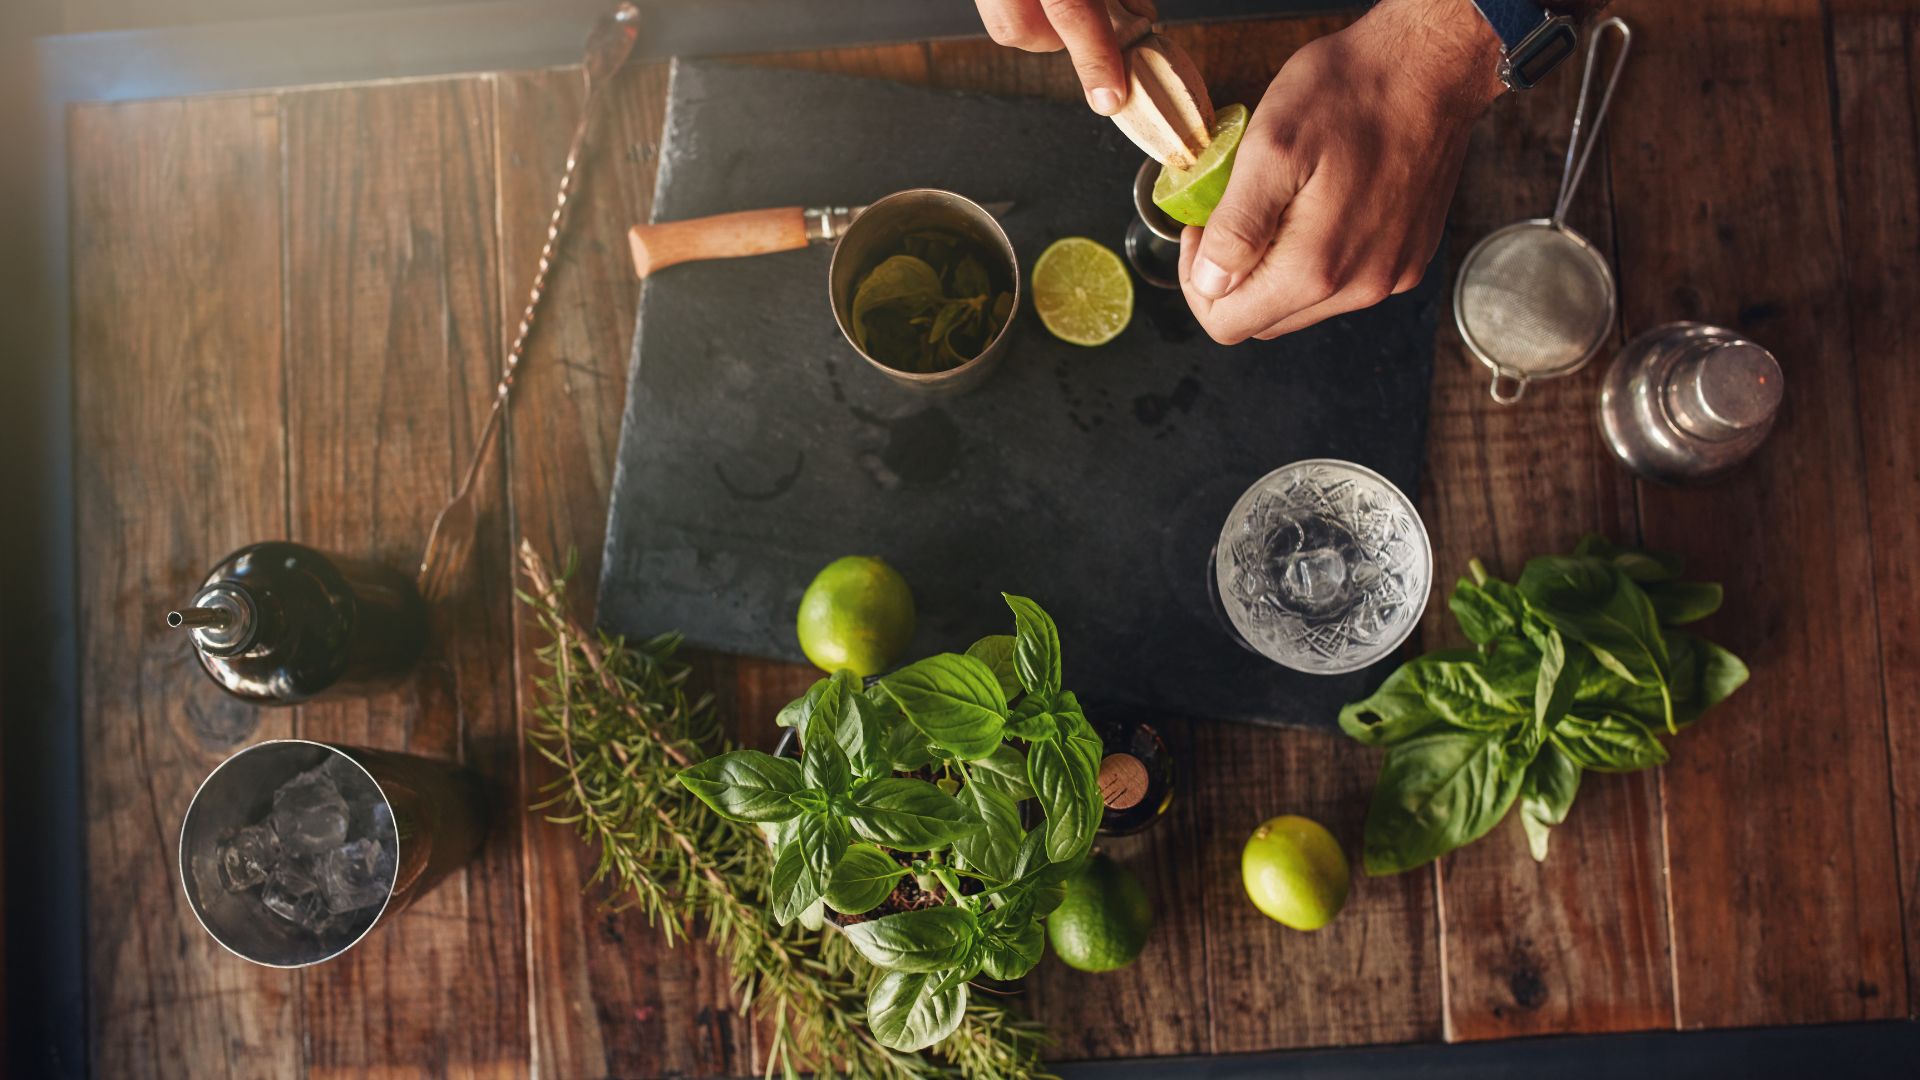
(1153, 238)
(880, 231)
(439, 818)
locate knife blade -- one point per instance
(746, 232)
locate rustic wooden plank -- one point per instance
(1877, 75)
(609, 997)
(178, 453)
(393, 322)
(1373, 974)
(1158, 1005)
(1579, 943)
(1783, 879)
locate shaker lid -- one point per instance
(1726, 391)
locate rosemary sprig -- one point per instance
(617, 722)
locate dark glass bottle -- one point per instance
(278, 623)
(1137, 774)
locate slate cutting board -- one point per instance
(757, 447)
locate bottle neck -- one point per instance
(224, 619)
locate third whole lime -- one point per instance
(1105, 919)
(1295, 872)
(857, 614)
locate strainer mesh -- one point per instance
(1534, 300)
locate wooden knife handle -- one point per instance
(722, 236)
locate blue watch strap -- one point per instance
(1512, 20)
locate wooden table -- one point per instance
(289, 307)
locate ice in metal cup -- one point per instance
(880, 231)
(1323, 566)
(292, 851)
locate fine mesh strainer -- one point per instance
(1535, 300)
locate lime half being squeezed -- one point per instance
(1189, 195)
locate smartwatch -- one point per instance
(1534, 41)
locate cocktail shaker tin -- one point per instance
(1685, 402)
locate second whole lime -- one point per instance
(857, 614)
(1295, 872)
(1105, 920)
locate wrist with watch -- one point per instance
(1533, 40)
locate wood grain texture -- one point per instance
(1783, 878)
(1373, 974)
(610, 998)
(177, 374)
(393, 323)
(1504, 484)
(1161, 1004)
(1877, 79)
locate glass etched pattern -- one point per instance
(1323, 566)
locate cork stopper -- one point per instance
(1123, 781)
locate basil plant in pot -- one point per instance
(903, 822)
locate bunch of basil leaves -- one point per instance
(1576, 667)
(930, 309)
(856, 814)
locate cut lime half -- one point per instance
(1082, 291)
(1189, 195)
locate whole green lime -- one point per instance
(1105, 919)
(857, 614)
(1295, 872)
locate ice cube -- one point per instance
(356, 875)
(292, 893)
(308, 813)
(247, 859)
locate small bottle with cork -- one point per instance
(278, 623)
(1137, 774)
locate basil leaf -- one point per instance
(992, 849)
(824, 765)
(901, 285)
(1608, 743)
(862, 880)
(1036, 647)
(745, 785)
(1395, 712)
(970, 278)
(811, 801)
(1066, 785)
(822, 840)
(1435, 793)
(1641, 566)
(996, 651)
(904, 1015)
(795, 888)
(1079, 735)
(955, 701)
(1004, 770)
(794, 714)
(1554, 687)
(1704, 674)
(931, 939)
(1588, 601)
(1680, 602)
(862, 731)
(1013, 953)
(1033, 720)
(1546, 794)
(1486, 610)
(910, 815)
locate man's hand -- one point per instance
(1082, 27)
(1341, 184)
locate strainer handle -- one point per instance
(1578, 151)
(1509, 379)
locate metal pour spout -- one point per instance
(194, 617)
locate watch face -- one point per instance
(1540, 53)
